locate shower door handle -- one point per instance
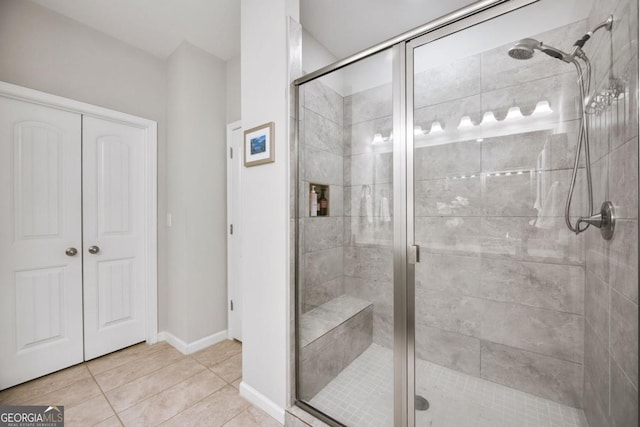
(414, 254)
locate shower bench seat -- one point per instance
(332, 336)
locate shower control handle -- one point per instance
(595, 220)
(605, 220)
(94, 249)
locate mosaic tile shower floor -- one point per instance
(362, 396)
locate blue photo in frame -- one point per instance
(259, 145)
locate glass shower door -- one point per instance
(345, 244)
(499, 289)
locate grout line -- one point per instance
(105, 398)
(138, 357)
(215, 364)
(162, 391)
(193, 404)
(11, 390)
(614, 289)
(148, 373)
(207, 396)
(155, 394)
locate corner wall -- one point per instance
(196, 189)
(611, 297)
(266, 204)
(233, 90)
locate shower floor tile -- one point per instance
(361, 395)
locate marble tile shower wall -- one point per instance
(500, 287)
(500, 293)
(321, 154)
(368, 261)
(611, 299)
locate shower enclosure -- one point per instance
(440, 283)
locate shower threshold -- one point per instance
(361, 395)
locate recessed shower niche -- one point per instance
(322, 205)
(447, 269)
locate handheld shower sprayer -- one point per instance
(525, 49)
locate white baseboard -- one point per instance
(261, 401)
(190, 348)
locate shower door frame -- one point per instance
(405, 252)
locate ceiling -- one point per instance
(358, 24)
(160, 26)
(343, 27)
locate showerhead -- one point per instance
(525, 49)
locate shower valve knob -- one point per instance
(605, 220)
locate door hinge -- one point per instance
(231, 305)
(231, 229)
(414, 254)
(231, 152)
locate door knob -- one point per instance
(94, 249)
(71, 252)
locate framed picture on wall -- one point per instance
(258, 145)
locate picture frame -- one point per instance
(259, 147)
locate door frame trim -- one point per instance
(150, 128)
(232, 247)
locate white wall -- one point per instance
(196, 193)
(233, 90)
(43, 50)
(46, 51)
(265, 203)
(314, 54)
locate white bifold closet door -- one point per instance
(40, 241)
(72, 206)
(113, 214)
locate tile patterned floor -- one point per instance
(148, 385)
(361, 396)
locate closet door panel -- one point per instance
(113, 209)
(40, 226)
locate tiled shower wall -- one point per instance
(321, 154)
(500, 287)
(500, 291)
(368, 263)
(611, 306)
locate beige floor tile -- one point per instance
(213, 411)
(68, 396)
(124, 356)
(123, 374)
(142, 388)
(236, 383)
(218, 353)
(172, 401)
(88, 413)
(110, 422)
(253, 417)
(24, 392)
(229, 370)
